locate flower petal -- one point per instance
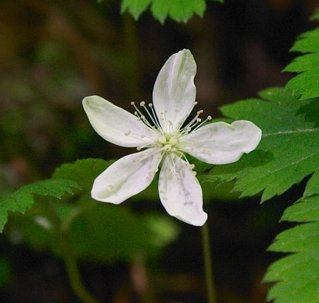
(174, 90)
(115, 124)
(222, 143)
(180, 191)
(126, 177)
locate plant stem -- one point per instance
(208, 266)
(74, 276)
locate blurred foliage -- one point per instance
(94, 231)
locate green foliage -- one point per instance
(287, 154)
(307, 65)
(178, 10)
(289, 150)
(83, 172)
(23, 198)
(297, 274)
(94, 230)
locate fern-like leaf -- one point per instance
(289, 149)
(307, 65)
(23, 198)
(178, 10)
(297, 274)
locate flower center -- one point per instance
(168, 142)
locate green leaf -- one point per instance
(289, 149)
(312, 186)
(23, 198)
(306, 65)
(178, 10)
(306, 210)
(83, 172)
(114, 233)
(297, 274)
(297, 239)
(135, 7)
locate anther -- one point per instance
(142, 103)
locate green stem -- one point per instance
(208, 266)
(74, 276)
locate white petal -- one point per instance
(115, 124)
(222, 143)
(126, 177)
(180, 191)
(174, 90)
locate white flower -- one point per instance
(163, 141)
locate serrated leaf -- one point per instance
(307, 65)
(303, 237)
(297, 275)
(307, 42)
(135, 7)
(306, 210)
(306, 84)
(23, 198)
(303, 63)
(312, 186)
(289, 149)
(178, 10)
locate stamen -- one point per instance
(203, 122)
(151, 114)
(188, 127)
(154, 122)
(139, 114)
